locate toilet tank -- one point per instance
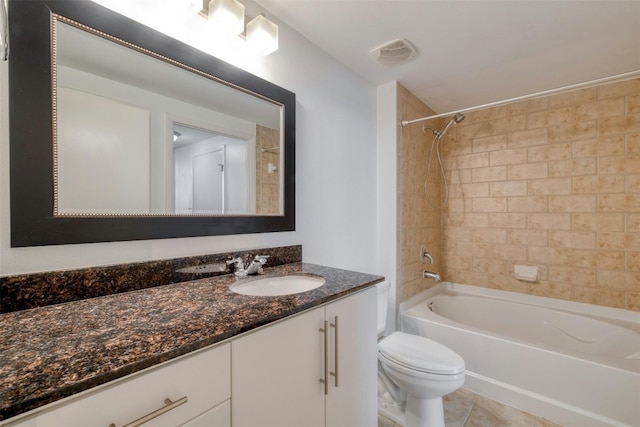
(383, 305)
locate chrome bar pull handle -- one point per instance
(325, 380)
(169, 405)
(4, 31)
(334, 325)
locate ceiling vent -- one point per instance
(395, 52)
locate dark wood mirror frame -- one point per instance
(31, 130)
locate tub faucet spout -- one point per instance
(431, 275)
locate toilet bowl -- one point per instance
(417, 370)
(425, 371)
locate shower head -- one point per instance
(457, 118)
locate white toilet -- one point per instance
(417, 369)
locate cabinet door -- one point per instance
(276, 374)
(353, 402)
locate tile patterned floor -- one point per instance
(466, 409)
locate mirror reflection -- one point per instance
(137, 135)
(211, 173)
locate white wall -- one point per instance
(89, 146)
(335, 175)
(387, 163)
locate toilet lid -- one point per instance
(421, 354)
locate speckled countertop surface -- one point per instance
(52, 352)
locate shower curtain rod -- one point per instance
(623, 76)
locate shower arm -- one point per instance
(435, 131)
(269, 150)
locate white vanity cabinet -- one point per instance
(276, 371)
(353, 402)
(194, 389)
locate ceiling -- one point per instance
(475, 52)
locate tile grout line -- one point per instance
(466, 418)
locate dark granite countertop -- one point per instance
(55, 351)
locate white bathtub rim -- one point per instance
(625, 318)
(628, 366)
(631, 365)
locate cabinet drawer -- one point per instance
(220, 416)
(203, 378)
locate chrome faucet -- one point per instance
(430, 275)
(255, 267)
(239, 270)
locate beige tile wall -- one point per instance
(419, 223)
(552, 182)
(267, 184)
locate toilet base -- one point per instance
(392, 412)
(424, 412)
(389, 407)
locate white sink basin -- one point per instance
(274, 286)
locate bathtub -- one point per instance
(572, 363)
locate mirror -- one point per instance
(139, 136)
(113, 106)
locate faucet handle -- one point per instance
(262, 259)
(425, 255)
(238, 262)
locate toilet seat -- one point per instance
(421, 354)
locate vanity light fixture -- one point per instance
(227, 17)
(262, 35)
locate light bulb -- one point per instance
(227, 16)
(262, 35)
